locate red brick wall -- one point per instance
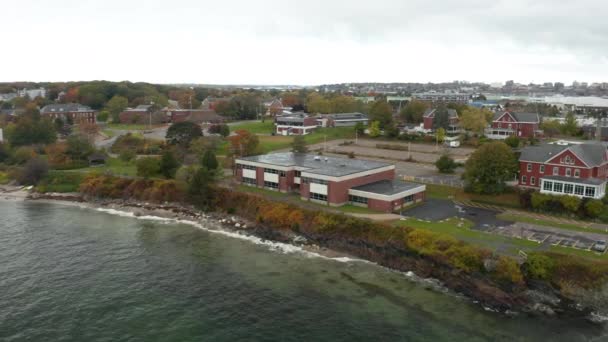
(338, 191)
(428, 123)
(259, 176)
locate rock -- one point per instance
(237, 225)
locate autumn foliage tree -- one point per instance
(244, 143)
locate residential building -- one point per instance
(211, 103)
(442, 98)
(75, 112)
(565, 169)
(274, 107)
(341, 119)
(453, 120)
(298, 124)
(330, 180)
(523, 125)
(32, 93)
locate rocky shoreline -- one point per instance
(537, 299)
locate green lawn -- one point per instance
(440, 191)
(509, 199)
(113, 165)
(255, 127)
(129, 127)
(566, 226)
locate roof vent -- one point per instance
(317, 158)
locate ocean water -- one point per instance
(76, 274)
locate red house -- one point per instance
(454, 122)
(565, 169)
(523, 125)
(330, 180)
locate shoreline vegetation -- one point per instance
(545, 283)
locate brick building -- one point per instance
(565, 169)
(453, 120)
(75, 112)
(341, 119)
(199, 116)
(523, 125)
(330, 180)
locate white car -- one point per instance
(600, 246)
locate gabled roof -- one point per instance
(592, 154)
(430, 113)
(519, 117)
(65, 107)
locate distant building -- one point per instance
(139, 114)
(330, 180)
(298, 124)
(453, 120)
(565, 169)
(274, 107)
(75, 112)
(199, 116)
(32, 93)
(523, 125)
(211, 103)
(7, 97)
(442, 98)
(341, 119)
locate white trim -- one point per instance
(318, 188)
(348, 177)
(387, 198)
(599, 189)
(562, 152)
(264, 165)
(271, 177)
(251, 174)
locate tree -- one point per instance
(414, 111)
(168, 165)
(381, 112)
(29, 131)
(209, 161)
(103, 116)
(78, 147)
(374, 129)
(200, 190)
(550, 127)
(221, 129)
(593, 208)
(445, 164)
(570, 203)
(441, 119)
(475, 119)
(513, 141)
(299, 144)
(5, 152)
(89, 129)
(148, 167)
(440, 135)
(243, 143)
(570, 127)
(182, 133)
(34, 171)
(489, 167)
(359, 128)
(116, 105)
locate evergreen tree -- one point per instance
(200, 190)
(209, 161)
(299, 144)
(168, 165)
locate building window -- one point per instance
(542, 169)
(589, 191)
(548, 186)
(523, 179)
(568, 160)
(568, 188)
(577, 173)
(529, 167)
(298, 173)
(271, 185)
(568, 172)
(249, 167)
(556, 171)
(318, 181)
(304, 180)
(579, 190)
(282, 173)
(532, 181)
(558, 187)
(249, 181)
(318, 197)
(357, 199)
(408, 199)
(271, 171)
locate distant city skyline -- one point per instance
(308, 43)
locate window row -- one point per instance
(271, 185)
(318, 197)
(248, 167)
(566, 188)
(524, 179)
(568, 172)
(313, 180)
(357, 199)
(250, 181)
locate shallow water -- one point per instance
(72, 274)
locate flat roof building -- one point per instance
(330, 180)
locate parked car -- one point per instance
(600, 246)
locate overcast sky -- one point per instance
(305, 42)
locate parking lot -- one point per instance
(486, 220)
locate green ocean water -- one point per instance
(74, 274)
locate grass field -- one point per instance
(115, 166)
(130, 127)
(255, 127)
(509, 199)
